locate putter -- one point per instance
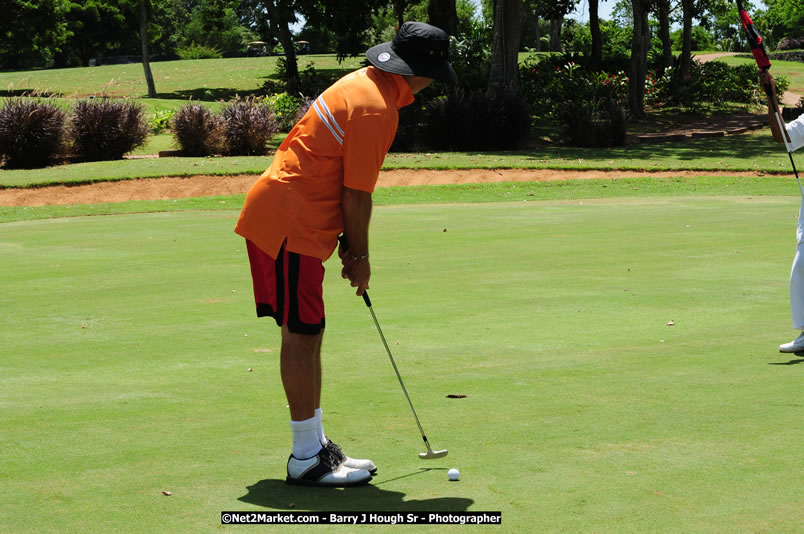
(430, 454)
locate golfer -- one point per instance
(318, 187)
(795, 139)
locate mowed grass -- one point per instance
(755, 152)
(205, 79)
(133, 364)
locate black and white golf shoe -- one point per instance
(354, 463)
(324, 469)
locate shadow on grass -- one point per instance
(276, 494)
(6, 93)
(206, 94)
(791, 362)
(746, 146)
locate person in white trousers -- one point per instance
(794, 133)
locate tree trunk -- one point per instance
(280, 24)
(399, 12)
(443, 14)
(664, 33)
(594, 28)
(639, 58)
(538, 35)
(686, 46)
(146, 64)
(509, 16)
(555, 34)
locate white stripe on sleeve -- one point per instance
(324, 118)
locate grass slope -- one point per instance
(132, 364)
(201, 79)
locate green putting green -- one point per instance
(132, 364)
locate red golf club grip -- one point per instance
(345, 246)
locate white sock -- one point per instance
(305, 438)
(321, 437)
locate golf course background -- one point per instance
(615, 340)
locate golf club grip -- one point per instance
(345, 246)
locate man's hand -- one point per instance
(356, 206)
(357, 271)
(774, 118)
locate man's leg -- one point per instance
(353, 463)
(289, 289)
(797, 288)
(300, 364)
(311, 463)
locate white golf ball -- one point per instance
(453, 474)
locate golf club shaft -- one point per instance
(783, 131)
(367, 300)
(393, 363)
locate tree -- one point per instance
(168, 27)
(663, 10)
(399, 11)
(144, 9)
(690, 10)
(443, 13)
(785, 19)
(640, 43)
(350, 20)
(504, 73)
(554, 11)
(281, 14)
(594, 27)
(95, 26)
(214, 23)
(31, 31)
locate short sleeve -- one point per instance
(795, 130)
(365, 145)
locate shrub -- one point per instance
(302, 109)
(31, 132)
(470, 55)
(594, 123)
(248, 125)
(106, 129)
(717, 82)
(198, 131)
(463, 120)
(590, 106)
(160, 120)
(285, 108)
(546, 83)
(195, 51)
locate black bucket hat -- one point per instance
(418, 49)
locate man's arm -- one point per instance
(766, 80)
(356, 206)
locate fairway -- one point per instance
(132, 364)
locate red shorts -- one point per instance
(289, 288)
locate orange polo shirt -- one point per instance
(340, 142)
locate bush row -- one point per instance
(243, 127)
(34, 132)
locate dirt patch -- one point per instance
(204, 186)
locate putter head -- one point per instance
(432, 455)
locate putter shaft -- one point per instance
(430, 452)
